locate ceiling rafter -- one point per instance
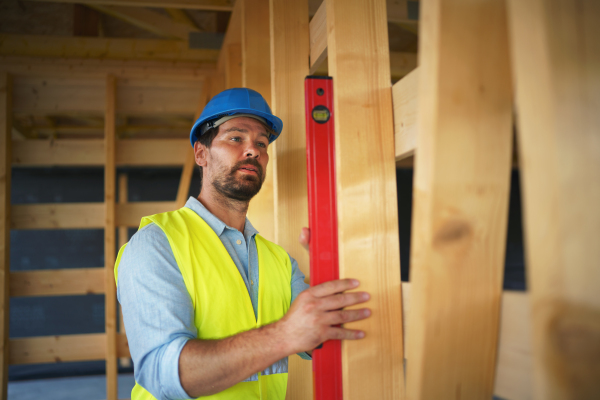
(208, 5)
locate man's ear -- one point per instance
(200, 154)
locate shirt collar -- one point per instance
(215, 223)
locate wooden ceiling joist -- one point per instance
(102, 48)
(149, 20)
(209, 5)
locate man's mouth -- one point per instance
(249, 169)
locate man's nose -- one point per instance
(252, 151)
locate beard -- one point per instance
(241, 188)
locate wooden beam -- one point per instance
(57, 282)
(181, 16)
(233, 35)
(556, 59)
(256, 74)
(89, 152)
(148, 20)
(52, 349)
(35, 95)
(401, 63)
(82, 215)
(99, 68)
(123, 238)
(233, 65)
(514, 366)
(190, 160)
(110, 224)
(102, 48)
(289, 66)
(366, 193)
(318, 37)
(208, 5)
(404, 95)
(5, 222)
(461, 191)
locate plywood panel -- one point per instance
(358, 58)
(5, 222)
(256, 75)
(556, 64)
(289, 66)
(51, 349)
(57, 282)
(461, 191)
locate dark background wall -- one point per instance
(52, 249)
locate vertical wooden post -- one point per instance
(110, 255)
(461, 191)
(256, 74)
(556, 63)
(190, 162)
(123, 237)
(289, 67)
(369, 251)
(5, 175)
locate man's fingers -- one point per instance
(332, 287)
(343, 316)
(341, 300)
(304, 238)
(344, 334)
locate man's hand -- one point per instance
(309, 322)
(304, 238)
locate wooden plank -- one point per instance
(34, 95)
(209, 5)
(51, 349)
(402, 63)
(57, 282)
(148, 20)
(318, 37)
(89, 152)
(404, 96)
(461, 191)
(232, 36)
(5, 222)
(130, 214)
(256, 74)
(57, 216)
(289, 65)
(233, 65)
(514, 366)
(102, 48)
(137, 96)
(366, 193)
(110, 224)
(190, 158)
(98, 68)
(556, 59)
(82, 215)
(181, 16)
(123, 238)
(122, 346)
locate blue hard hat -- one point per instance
(231, 102)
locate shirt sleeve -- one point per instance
(298, 286)
(157, 311)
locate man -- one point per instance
(206, 300)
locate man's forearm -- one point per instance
(210, 366)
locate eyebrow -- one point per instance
(236, 129)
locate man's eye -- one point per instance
(236, 138)
(261, 144)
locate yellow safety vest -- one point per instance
(222, 305)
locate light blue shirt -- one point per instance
(157, 309)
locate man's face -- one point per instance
(235, 164)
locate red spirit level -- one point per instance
(322, 214)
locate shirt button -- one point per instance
(239, 241)
(252, 283)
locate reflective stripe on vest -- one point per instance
(222, 305)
